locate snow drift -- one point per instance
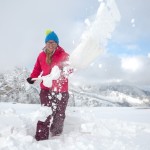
(85, 128)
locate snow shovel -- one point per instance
(47, 79)
(42, 129)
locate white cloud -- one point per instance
(131, 64)
(115, 69)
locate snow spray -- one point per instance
(96, 35)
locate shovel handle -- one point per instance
(34, 79)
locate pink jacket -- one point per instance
(59, 56)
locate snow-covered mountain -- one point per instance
(110, 95)
(14, 88)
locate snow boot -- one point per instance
(42, 129)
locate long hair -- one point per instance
(48, 56)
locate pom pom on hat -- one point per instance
(51, 35)
(47, 31)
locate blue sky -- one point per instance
(23, 24)
(132, 34)
(139, 48)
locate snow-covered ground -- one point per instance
(86, 128)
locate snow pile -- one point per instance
(84, 129)
(98, 32)
(42, 113)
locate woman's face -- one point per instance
(51, 45)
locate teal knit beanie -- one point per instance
(51, 35)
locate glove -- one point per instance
(29, 80)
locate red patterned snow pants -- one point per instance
(58, 103)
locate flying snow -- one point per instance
(94, 38)
(133, 22)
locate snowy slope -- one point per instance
(93, 128)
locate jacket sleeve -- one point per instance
(37, 69)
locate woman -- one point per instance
(57, 95)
